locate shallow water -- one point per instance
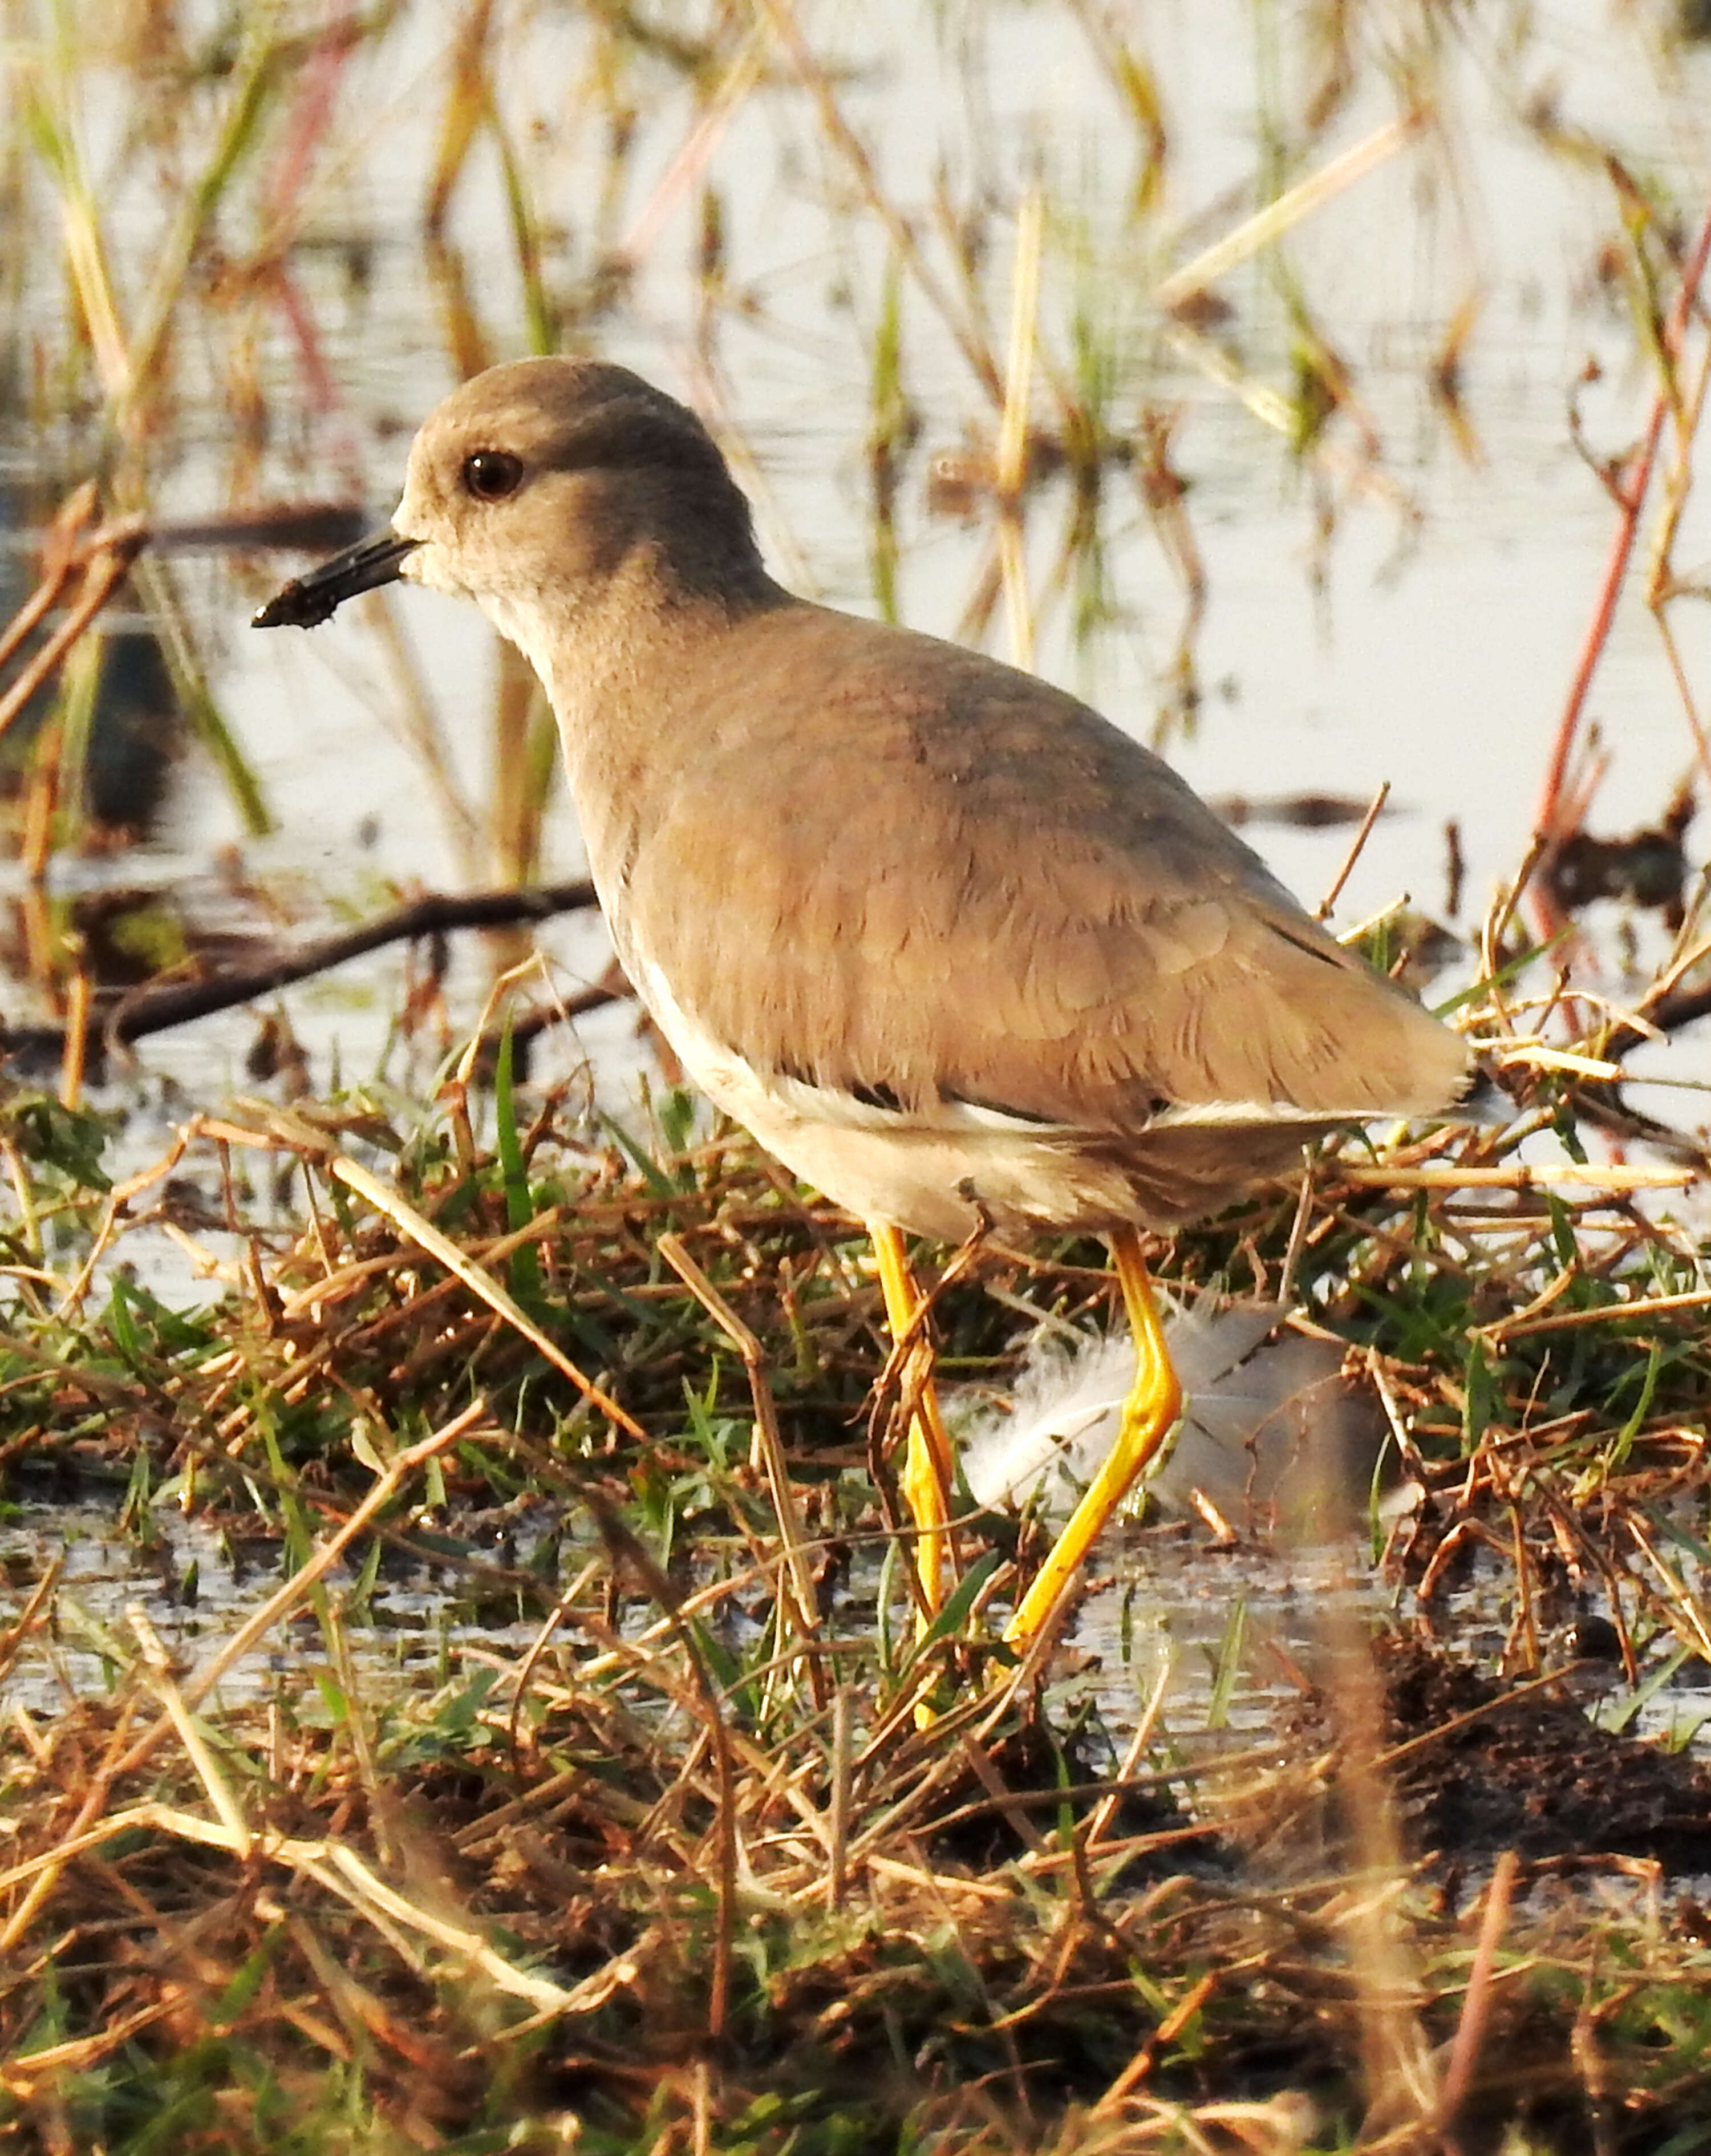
(1217, 1647)
(195, 1584)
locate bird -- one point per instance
(958, 951)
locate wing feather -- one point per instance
(947, 879)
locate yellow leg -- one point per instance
(1148, 1415)
(927, 1470)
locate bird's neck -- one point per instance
(614, 658)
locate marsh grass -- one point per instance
(684, 1870)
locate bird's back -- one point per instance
(967, 887)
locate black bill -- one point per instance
(307, 601)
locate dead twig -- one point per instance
(157, 1009)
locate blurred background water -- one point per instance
(1332, 518)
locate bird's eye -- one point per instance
(491, 475)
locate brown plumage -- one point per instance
(947, 939)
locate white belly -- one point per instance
(934, 1177)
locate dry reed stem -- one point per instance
(963, 330)
(627, 1551)
(1521, 1175)
(1550, 823)
(61, 557)
(23, 2075)
(341, 1871)
(1375, 809)
(103, 561)
(689, 165)
(1289, 210)
(445, 1252)
(1010, 462)
(798, 1611)
(1472, 2029)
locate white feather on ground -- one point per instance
(1271, 1434)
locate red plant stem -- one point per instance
(1631, 489)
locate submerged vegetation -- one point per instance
(509, 1728)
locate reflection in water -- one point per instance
(112, 728)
